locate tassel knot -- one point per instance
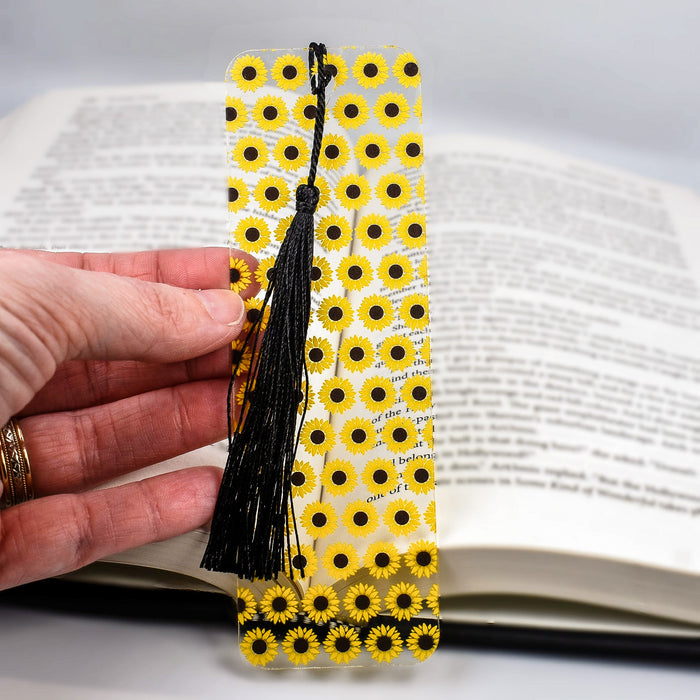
(307, 198)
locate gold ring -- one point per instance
(15, 472)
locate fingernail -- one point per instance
(223, 306)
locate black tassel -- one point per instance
(250, 526)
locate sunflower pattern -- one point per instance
(359, 585)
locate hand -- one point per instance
(111, 363)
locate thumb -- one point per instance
(50, 313)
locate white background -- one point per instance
(617, 81)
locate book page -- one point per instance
(115, 169)
(566, 322)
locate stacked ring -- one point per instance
(15, 472)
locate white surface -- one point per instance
(50, 656)
(612, 80)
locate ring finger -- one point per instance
(75, 450)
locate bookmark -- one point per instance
(326, 511)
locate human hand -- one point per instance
(110, 363)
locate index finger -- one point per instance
(190, 268)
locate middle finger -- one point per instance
(75, 450)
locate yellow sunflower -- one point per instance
(380, 476)
(409, 149)
(341, 561)
(358, 435)
(360, 518)
(337, 395)
(423, 269)
(271, 193)
(239, 274)
(403, 600)
(264, 271)
(305, 394)
(420, 188)
(338, 477)
(392, 110)
(254, 307)
(337, 67)
(335, 313)
(399, 434)
(249, 72)
(416, 393)
(419, 475)
(422, 558)
(425, 351)
(395, 271)
(250, 153)
(351, 110)
(301, 645)
(243, 389)
(384, 643)
(427, 433)
(393, 190)
(319, 354)
(282, 227)
(304, 561)
(342, 644)
(252, 234)
(370, 69)
(433, 600)
(430, 517)
(356, 353)
(353, 191)
(321, 604)
(373, 231)
(279, 604)
(270, 113)
(411, 230)
(375, 312)
(335, 152)
(406, 70)
(362, 602)
(320, 274)
(372, 150)
(291, 152)
(414, 311)
(246, 605)
(259, 646)
(237, 194)
(317, 436)
(334, 232)
(236, 113)
(382, 559)
(289, 72)
(378, 394)
(355, 272)
(423, 640)
(304, 111)
(401, 517)
(319, 519)
(303, 479)
(240, 357)
(397, 352)
(418, 108)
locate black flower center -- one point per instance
(401, 517)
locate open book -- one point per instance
(566, 328)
